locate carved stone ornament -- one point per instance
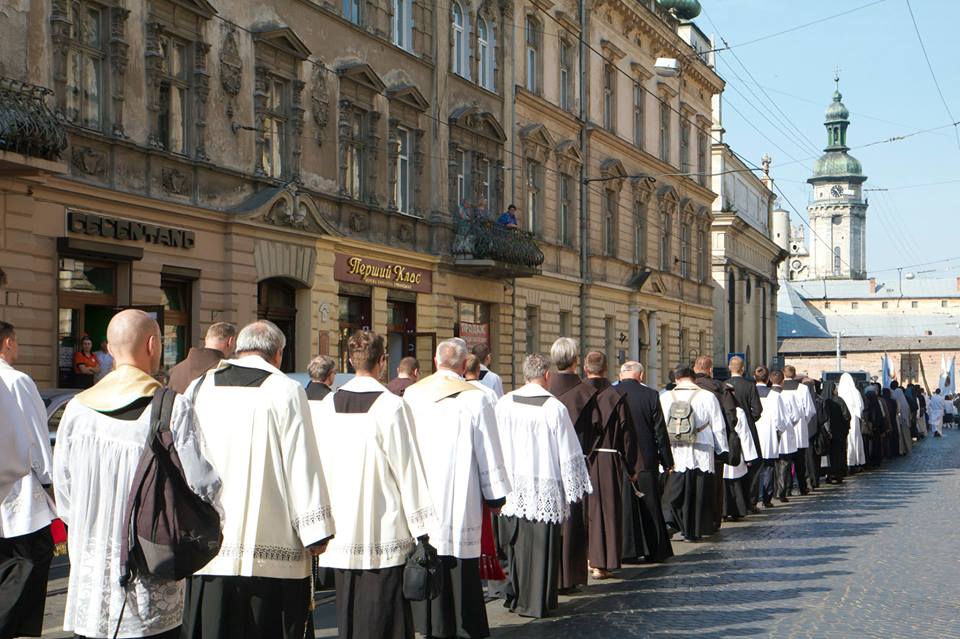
(282, 214)
(320, 101)
(89, 161)
(174, 181)
(404, 233)
(358, 223)
(231, 68)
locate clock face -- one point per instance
(836, 191)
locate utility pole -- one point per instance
(839, 357)
(584, 167)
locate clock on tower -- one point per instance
(836, 190)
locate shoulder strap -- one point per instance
(161, 411)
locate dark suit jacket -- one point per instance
(651, 430)
(745, 392)
(317, 391)
(198, 362)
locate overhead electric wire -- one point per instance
(923, 47)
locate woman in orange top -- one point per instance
(85, 364)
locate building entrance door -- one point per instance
(277, 302)
(401, 334)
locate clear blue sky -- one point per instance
(889, 91)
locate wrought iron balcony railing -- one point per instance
(481, 238)
(27, 125)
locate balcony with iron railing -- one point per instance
(31, 135)
(483, 247)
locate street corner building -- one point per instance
(340, 166)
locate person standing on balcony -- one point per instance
(508, 218)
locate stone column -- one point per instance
(633, 334)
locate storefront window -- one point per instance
(277, 302)
(87, 301)
(176, 320)
(354, 316)
(473, 323)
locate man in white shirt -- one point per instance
(547, 473)
(26, 512)
(770, 428)
(105, 360)
(100, 440)
(379, 494)
(487, 377)
(455, 426)
(688, 494)
(788, 442)
(257, 432)
(806, 412)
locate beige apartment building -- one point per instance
(332, 166)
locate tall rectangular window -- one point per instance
(485, 57)
(836, 260)
(640, 236)
(702, 167)
(703, 251)
(609, 97)
(352, 10)
(84, 81)
(665, 231)
(532, 39)
(401, 24)
(685, 146)
(460, 167)
(639, 98)
(566, 324)
(177, 298)
(354, 156)
(565, 220)
(485, 171)
(274, 123)
(173, 94)
(664, 131)
(610, 222)
(610, 343)
(460, 53)
(402, 194)
(533, 330)
(566, 75)
(685, 257)
(534, 195)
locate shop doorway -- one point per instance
(277, 302)
(401, 334)
(354, 316)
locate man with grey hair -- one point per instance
(644, 528)
(547, 473)
(322, 370)
(257, 431)
(455, 425)
(579, 398)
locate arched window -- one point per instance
(459, 60)
(485, 61)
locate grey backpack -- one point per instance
(681, 425)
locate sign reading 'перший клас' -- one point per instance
(128, 230)
(363, 270)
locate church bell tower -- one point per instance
(838, 210)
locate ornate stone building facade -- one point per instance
(338, 165)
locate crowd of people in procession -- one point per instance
(526, 494)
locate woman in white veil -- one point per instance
(847, 390)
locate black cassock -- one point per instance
(838, 420)
(533, 565)
(644, 528)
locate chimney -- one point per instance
(873, 284)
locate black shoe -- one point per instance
(753, 510)
(783, 500)
(937, 435)
(804, 491)
(768, 504)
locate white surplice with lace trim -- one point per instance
(375, 476)
(94, 465)
(543, 456)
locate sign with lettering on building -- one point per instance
(365, 270)
(115, 228)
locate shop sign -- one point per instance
(474, 334)
(128, 230)
(363, 270)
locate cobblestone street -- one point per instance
(865, 559)
(870, 558)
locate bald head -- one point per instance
(133, 338)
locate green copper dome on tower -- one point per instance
(836, 163)
(684, 9)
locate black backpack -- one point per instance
(170, 531)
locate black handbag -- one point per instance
(422, 574)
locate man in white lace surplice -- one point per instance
(455, 425)
(379, 494)
(25, 513)
(257, 432)
(99, 443)
(547, 473)
(687, 493)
